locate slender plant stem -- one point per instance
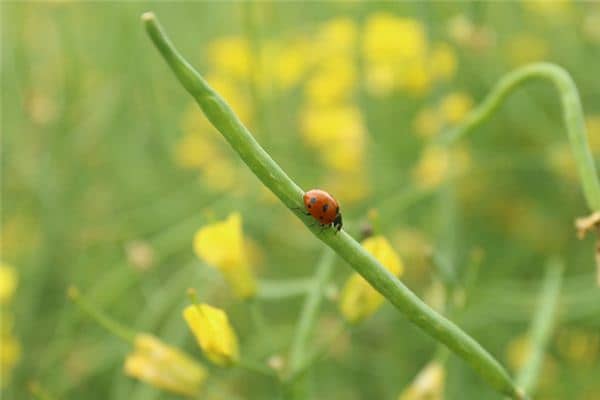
(541, 327)
(101, 318)
(572, 114)
(310, 310)
(295, 388)
(269, 172)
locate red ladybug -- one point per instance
(323, 207)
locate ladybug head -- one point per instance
(337, 222)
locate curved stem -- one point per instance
(259, 161)
(572, 114)
(541, 327)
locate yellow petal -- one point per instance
(213, 332)
(222, 245)
(8, 283)
(358, 299)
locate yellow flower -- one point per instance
(427, 122)
(334, 81)
(427, 385)
(431, 168)
(195, 150)
(222, 245)
(416, 79)
(291, 63)
(443, 62)
(213, 332)
(8, 283)
(10, 353)
(381, 79)
(164, 367)
(437, 163)
(343, 125)
(358, 299)
(518, 351)
(231, 56)
(337, 36)
(388, 37)
(526, 48)
(455, 106)
(592, 124)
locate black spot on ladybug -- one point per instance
(309, 206)
(325, 207)
(313, 200)
(321, 218)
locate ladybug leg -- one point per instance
(303, 211)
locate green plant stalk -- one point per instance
(294, 388)
(310, 310)
(259, 161)
(101, 318)
(572, 114)
(542, 327)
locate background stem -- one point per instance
(572, 114)
(542, 327)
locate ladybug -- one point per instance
(323, 207)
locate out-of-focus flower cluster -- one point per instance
(10, 348)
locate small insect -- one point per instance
(323, 207)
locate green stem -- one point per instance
(541, 327)
(100, 317)
(572, 114)
(310, 310)
(295, 388)
(269, 172)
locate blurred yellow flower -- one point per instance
(592, 123)
(562, 162)
(381, 79)
(8, 283)
(395, 53)
(351, 186)
(342, 125)
(10, 353)
(427, 122)
(443, 62)
(437, 163)
(292, 62)
(388, 37)
(213, 332)
(427, 385)
(465, 33)
(431, 168)
(518, 351)
(578, 346)
(358, 299)
(525, 48)
(337, 36)
(231, 56)
(234, 94)
(556, 8)
(164, 367)
(332, 82)
(195, 150)
(221, 245)
(455, 106)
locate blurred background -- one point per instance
(109, 168)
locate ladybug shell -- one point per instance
(322, 206)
